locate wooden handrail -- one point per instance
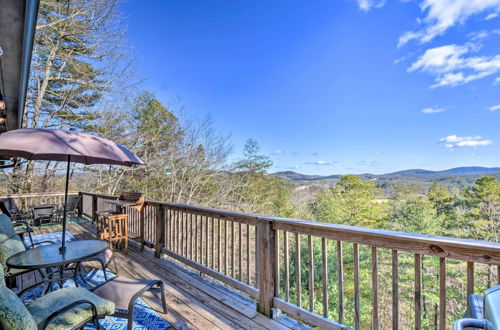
(45, 194)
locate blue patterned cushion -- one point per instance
(6, 229)
(9, 248)
(13, 314)
(2, 276)
(44, 306)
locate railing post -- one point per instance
(159, 237)
(94, 208)
(141, 226)
(80, 204)
(266, 268)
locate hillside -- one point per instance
(455, 177)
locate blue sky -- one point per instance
(327, 86)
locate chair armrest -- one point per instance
(50, 280)
(21, 223)
(67, 308)
(462, 324)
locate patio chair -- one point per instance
(68, 308)
(10, 244)
(43, 214)
(124, 291)
(8, 206)
(72, 207)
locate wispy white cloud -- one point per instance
(451, 66)
(497, 81)
(431, 110)
(321, 162)
(454, 141)
(492, 16)
(440, 15)
(366, 5)
(278, 152)
(494, 108)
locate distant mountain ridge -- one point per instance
(466, 170)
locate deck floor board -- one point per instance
(193, 302)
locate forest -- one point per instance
(83, 78)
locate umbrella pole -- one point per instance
(62, 249)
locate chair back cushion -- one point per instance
(2, 276)
(13, 313)
(6, 229)
(9, 248)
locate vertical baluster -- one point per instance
(340, 271)
(181, 232)
(395, 290)
(196, 238)
(277, 265)
(219, 238)
(207, 227)
(185, 232)
(176, 229)
(170, 224)
(442, 293)
(418, 292)
(298, 280)
(212, 220)
(357, 312)
(256, 254)
(226, 240)
(324, 263)
(240, 256)
(248, 253)
(310, 262)
(498, 274)
(192, 236)
(374, 289)
(188, 234)
(287, 266)
(199, 228)
(470, 279)
(233, 250)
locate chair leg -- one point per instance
(96, 323)
(103, 266)
(163, 300)
(114, 263)
(130, 317)
(31, 238)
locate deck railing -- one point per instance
(26, 201)
(327, 275)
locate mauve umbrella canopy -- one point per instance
(58, 144)
(61, 145)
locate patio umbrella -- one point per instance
(68, 146)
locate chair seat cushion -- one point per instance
(6, 228)
(44, 306)
(13, 313)
(122, 290)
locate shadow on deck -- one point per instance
(193, 301)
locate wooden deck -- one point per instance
(193, 302)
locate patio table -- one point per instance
(121, 204)
(48, 256)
